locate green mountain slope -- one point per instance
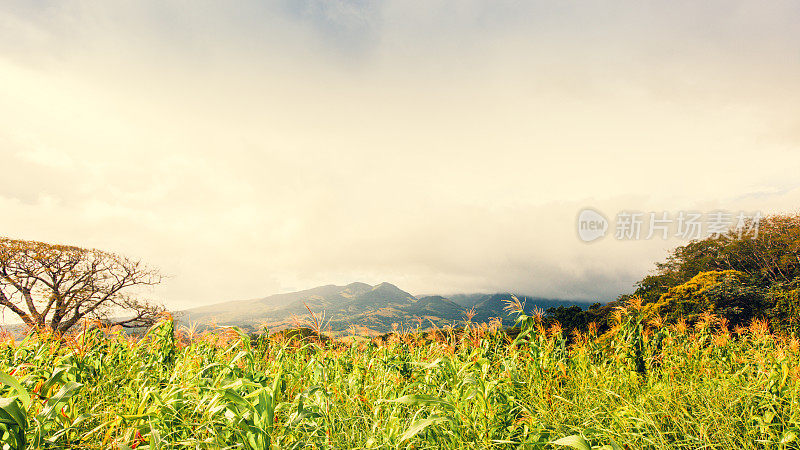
(370, 309)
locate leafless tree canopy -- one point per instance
(56, 286)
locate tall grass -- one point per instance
(642, 385)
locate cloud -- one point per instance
(443, 146)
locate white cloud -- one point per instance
(445, 148)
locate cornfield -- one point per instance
(644, 384)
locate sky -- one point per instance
(255, 147)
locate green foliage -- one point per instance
(785, 313)
(727, 294)
(737, 277)
(636, 386)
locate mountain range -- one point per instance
(370, 309)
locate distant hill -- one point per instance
(371, 309)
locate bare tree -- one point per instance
(56, 286)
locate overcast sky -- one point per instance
(249, 148)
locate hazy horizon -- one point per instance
(445, 147)
(415, 294)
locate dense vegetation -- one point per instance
(640, 385)
(738, 277)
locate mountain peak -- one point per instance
(382, 295)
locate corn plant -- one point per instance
(644, 384)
